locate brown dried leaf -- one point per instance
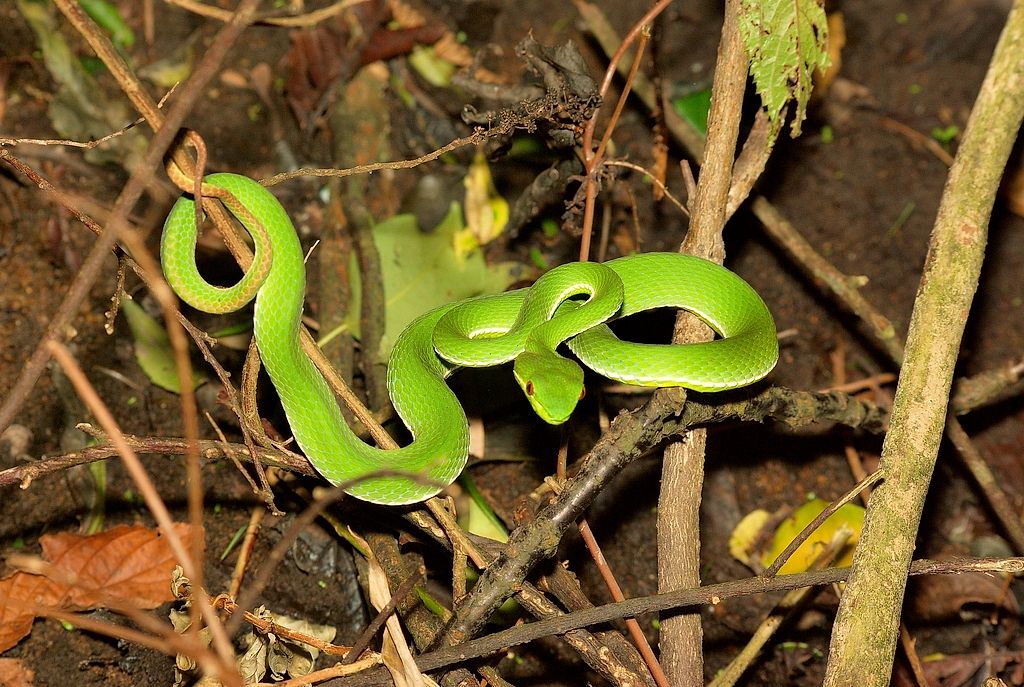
(14, 673)
(18, 594)
(1013, 190)
(447, 46)
(659, 152)
(313, 64)
(321, 57)
(836, 42)
(395, 651)
(959, 670)
(132, 563)
(942, 597)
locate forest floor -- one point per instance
(862, 184)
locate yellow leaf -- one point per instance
(848, 516)
(746, 534)
(486, 211)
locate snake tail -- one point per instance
(416, 377)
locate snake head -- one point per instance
(553, 385)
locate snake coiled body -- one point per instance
(416, 375)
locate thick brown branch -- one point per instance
(683, 598)
(631, 435)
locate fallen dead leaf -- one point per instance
(942, 597)
(1013, 190)
(18, 593)
(132, 564)
(395, 651)
(959, 670)
(14, 673)
(320, 57)
(836, 42)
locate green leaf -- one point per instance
(174, 67)
(850, 516)
(946, 134)
(486, 211)
(694, 108)
(422, 271)
(436, 70)
(479, 518)
(786, 41)
(106, 15)
(153, 349)
(80, 108)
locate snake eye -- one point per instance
(529, 388)
(583, 393)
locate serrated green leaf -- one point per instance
(786, 41)
(153, 349)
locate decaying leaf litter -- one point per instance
(818, 171)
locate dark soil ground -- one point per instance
(860, 184)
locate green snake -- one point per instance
(568, 304)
